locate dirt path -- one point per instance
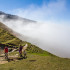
(11, 58)
(2, 60)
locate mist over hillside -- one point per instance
(9, 17)
(49, 36)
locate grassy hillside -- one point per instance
(37, 59)
(38, 62)
(7, 38)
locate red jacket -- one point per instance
(6, 49)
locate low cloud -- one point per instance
(51, 35)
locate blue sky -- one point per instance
(6, 5)
(14, 4)
(41, 9)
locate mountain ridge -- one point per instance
(14, 17)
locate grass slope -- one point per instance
(38, 62)
(37, 59)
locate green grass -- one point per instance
(37, 62)
(37, 59)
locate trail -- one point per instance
(11, 58)
(2, 60)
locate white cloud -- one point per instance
(42, 13)
(53, 36)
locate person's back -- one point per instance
(20, 48)
(6, 49)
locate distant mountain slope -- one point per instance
(7, 17)
(12, 21)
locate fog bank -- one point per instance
(51, 36)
